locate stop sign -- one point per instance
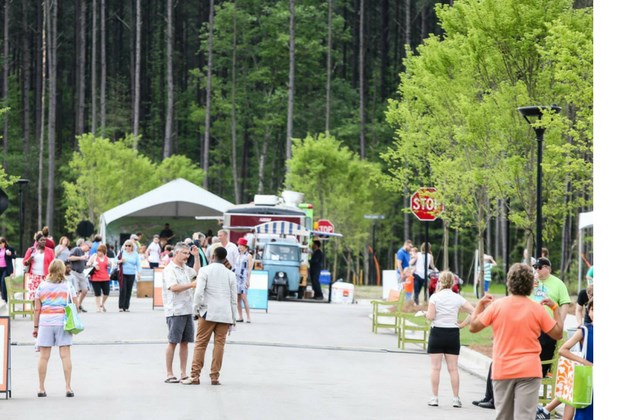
(325, 226)
(424, 206)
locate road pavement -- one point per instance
(298, 360)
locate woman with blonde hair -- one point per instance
(444, 337)
(100, 278)
(51, 297)
(129, 261)
(62, 251)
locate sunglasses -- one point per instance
(128, 246)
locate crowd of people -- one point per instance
(205, 278)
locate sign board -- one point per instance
(374, 216)
(325, 226)
(157, 288)
(5, 356)
(258, 293)
(389, 282)
(424, 205)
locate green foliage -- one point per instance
(456, 123)
(341, 186)
(106, 174)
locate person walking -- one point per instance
(444, 337)
(153, 252)
(215, 307)
(315, 266)
(51, 297)
(78, 258)
(178, 282)
(7, 255)
(36, 261)
(100, 278)
(131, 267)
(243, 276)
(517, 323)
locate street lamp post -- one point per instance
(21, 183)
(536, 113)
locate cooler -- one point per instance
(325, 277)
(342, 292)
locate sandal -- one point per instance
(171, 380)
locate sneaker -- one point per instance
(433, 402)
(541, 413)
(456, 402)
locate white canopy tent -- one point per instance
(176, 199)
(584, 221)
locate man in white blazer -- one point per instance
(215, 308)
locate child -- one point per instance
(408, 283)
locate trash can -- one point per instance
(325, 277)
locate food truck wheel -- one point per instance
(281, 294)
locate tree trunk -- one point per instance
(207, 113)
(26, 85)
(445, 245)
(136, 76)
(407, 23)
(292, 68)
(45, 19)
(94, 56)
(261, 161)
(53, 90)
(169, 119)
(81, 68)
(5, 81)
(361, 81)
(327, 123)
(103, 67)
(384, 48)
(234, 122)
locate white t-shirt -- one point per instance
(420, 265)
(37, 264)
(232, 253)
(447, 307)
(180, 303)
(154, 252)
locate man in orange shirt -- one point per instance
(517, 322)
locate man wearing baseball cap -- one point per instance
(552, 287)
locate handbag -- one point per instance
(574, 381)
(72, 321)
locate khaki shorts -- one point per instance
(80, 282)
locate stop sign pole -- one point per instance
(425, 207)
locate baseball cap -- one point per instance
(541, 262)
(242, 241)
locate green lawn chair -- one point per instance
(385, 313)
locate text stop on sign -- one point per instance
(424, 205)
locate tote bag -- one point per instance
(574, 381)
(72, 321)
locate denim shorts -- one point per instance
(53, 335)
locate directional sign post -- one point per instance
(426, 208)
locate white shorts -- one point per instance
(54, 335)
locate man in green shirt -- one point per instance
(552, 287)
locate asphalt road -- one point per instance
(300, 360)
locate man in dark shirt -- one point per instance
(166, 234)
(78, 260)
(315, 265)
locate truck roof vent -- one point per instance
(265, 200)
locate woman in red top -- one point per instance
(100, 279)
(36, 261)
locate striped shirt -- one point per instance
(53, 298)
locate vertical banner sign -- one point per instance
(157, 288)
(5, 357)
(258, 292)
